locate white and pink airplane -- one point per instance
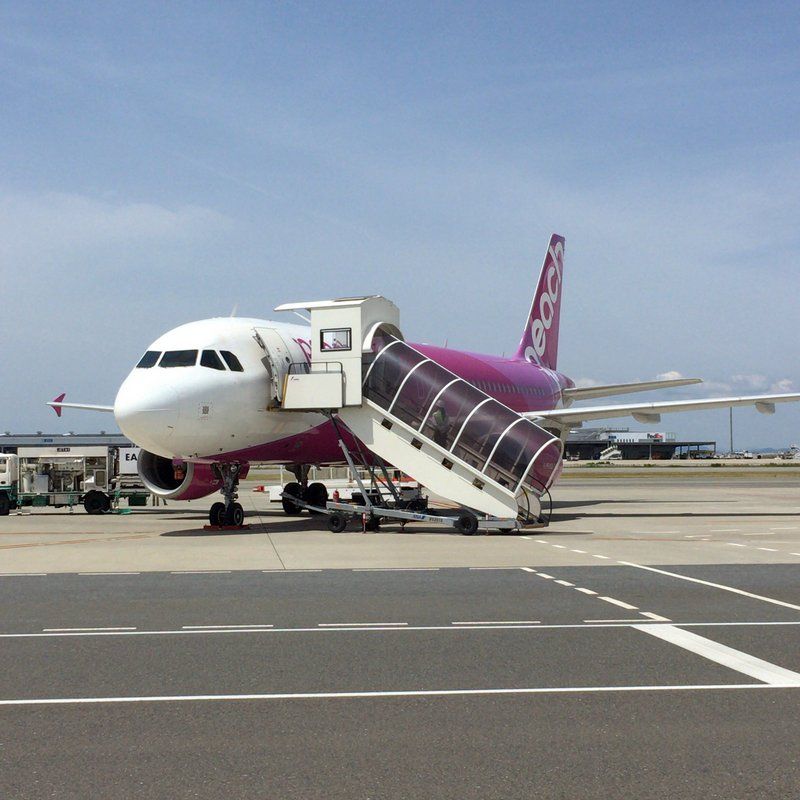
(201, 402)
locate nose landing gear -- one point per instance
(230, 513)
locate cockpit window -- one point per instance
(148, 360)
(209, 358)
(178, 358)
(233, 363)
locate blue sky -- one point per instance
(167, 162)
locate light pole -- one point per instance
(730, 412)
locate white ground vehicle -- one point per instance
(64, 476)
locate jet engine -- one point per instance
(177, 481)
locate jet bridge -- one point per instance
(418, 416)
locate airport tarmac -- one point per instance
(646, 644)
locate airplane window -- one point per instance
(178, 358)
(210, 359)
(148, 360)
(233, 363)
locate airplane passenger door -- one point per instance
(276, 360)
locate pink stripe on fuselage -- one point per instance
(520, 385)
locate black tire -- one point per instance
(337, 522)
(216, 513)
(374, 524)
(234, 515)
(290, 508)
(106, 504)
(467, 524)
(316, 495)
(95, 502)
(5, 504)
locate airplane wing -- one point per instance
(57, 405)
(625, 388)
(651, 412)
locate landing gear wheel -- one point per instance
(216, 514)
(316, 495)
(5, 504)
(373, 524)
(467, 524)
(290, 508)
(96, 502)
(337, 522)
(234, 515)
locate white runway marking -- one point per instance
(564, 583)
(713, 585)
(736, 544)
(560, 546)
(223, 627)
(596, 555)
(578, 551)
(75, 630)
(397, 569)
(359, 624)
(545, 575)
(109, 573)
(396, 628)
(528, 569)
(655, 617)
(619, 603)
(502, 622)
(768, 549)
(585, 591)
(281, 571)
(23, 574)
(756, 668)
(389, 693)
(200, 572)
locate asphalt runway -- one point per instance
(620, 653)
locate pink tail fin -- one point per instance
(539, 342)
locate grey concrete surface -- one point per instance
(667, 721)
(646, 644)
(652, 519)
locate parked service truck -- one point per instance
(67, 476)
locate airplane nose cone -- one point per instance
(147, 415)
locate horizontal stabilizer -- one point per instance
(611, 389)
(58, 404)
(649, 411)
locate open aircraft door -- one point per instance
(277, 358)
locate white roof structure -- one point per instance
(341, 302)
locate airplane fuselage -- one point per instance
(188, 400)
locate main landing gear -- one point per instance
(230, 513)
(314, 494)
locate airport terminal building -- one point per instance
(589, 444)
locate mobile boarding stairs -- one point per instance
(490, 463)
